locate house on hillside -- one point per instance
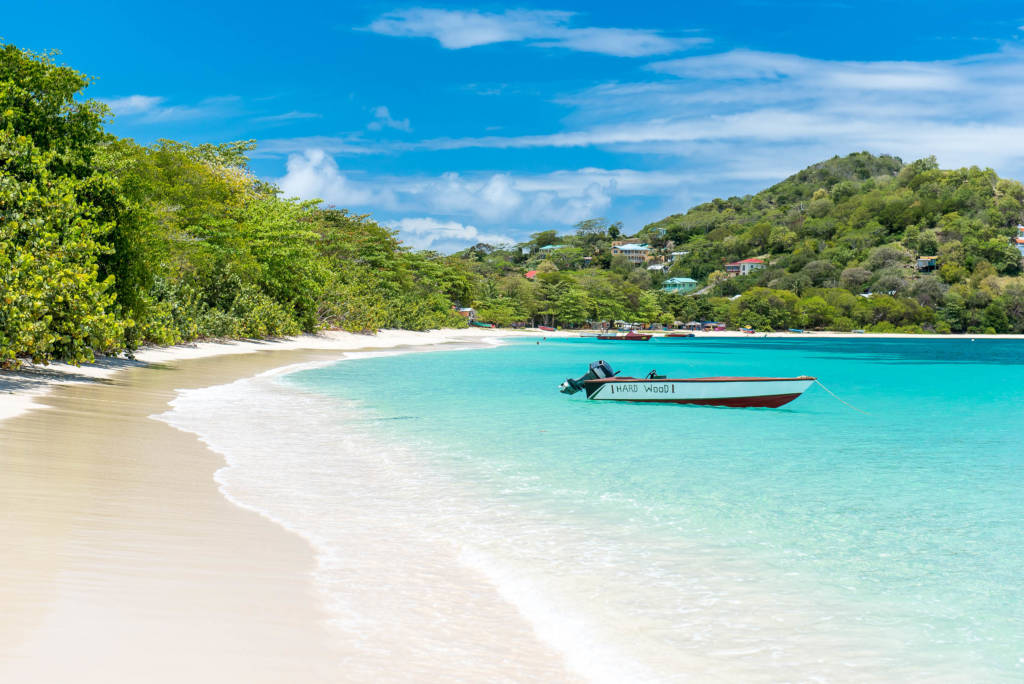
(548, 249)
(679, 285)
(926, 264)
(1019, 240)
(636, 253)
(467, 312)
(743, 267)
(530, 275)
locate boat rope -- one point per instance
(842, 401)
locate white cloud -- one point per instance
(456, 29)
(273, 147)
(382, 119)
(315, 175)
(133, 104)
(289, 116)
(749, 65)
(151, 109)
(503, 202)
(443, 236)
(748, 104)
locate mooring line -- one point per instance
(840, 400)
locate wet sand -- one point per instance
(123, 562)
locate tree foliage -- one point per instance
(106, 244)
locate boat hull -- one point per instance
(735, 392)
(625, 338)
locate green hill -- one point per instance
(840, 242)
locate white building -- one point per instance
(636, 253)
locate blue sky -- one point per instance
(457, 123)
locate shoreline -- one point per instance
(20, 389)
(131, 564)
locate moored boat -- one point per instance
(680, 334)
(602, 384)
(632, 336)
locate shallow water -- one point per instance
(643, 542)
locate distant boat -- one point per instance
(748, 331)
(602, 384)
(545, 327)
(630, 336)
(795, 330)
(481, 325)
(680, 334)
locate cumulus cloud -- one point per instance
(315, 175)
(382, 119)
(443, 236)
(457, 29)
(502, 202)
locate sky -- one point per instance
(460, 123)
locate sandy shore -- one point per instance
(124, 562)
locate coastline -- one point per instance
(20, 389)
(130, 563)
(133, 566)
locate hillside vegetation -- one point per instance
(106, 244)
(840, 240)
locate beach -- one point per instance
(125, 563)
(225, 512)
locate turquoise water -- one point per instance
(807, 541)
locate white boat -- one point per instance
(602, 384)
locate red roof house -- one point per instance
(744, 266)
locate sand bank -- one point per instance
(19, 390)
(123, 561)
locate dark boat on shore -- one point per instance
(630, 336)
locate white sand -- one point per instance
(20, 389)
(124, 563)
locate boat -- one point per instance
(548, 328)
(680, 334)
(481, 325)
(796, 330)
(631, 336)
(601, 383)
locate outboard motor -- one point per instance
(598, 371)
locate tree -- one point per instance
(55, 305)
(648, 310)
(765, 308)
(571, 306)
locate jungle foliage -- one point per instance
(106, 244)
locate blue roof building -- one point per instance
(679, 285)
